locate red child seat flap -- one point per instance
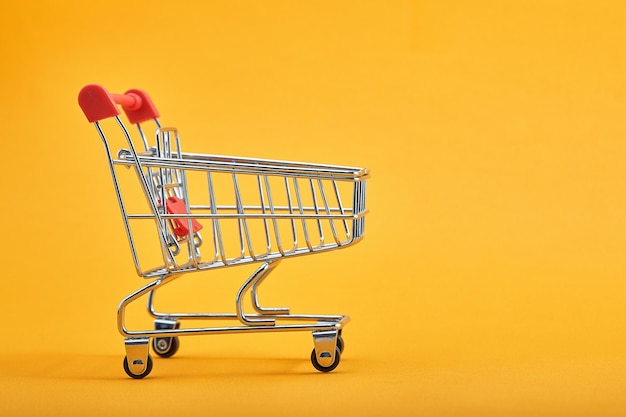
(175, 205)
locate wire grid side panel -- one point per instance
(143, 238)
(257, 217)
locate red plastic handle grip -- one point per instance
(97, 104)
(128, 101)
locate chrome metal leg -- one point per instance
(255, 297)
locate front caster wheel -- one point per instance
(165, 347)
(144, 373)
(326, 368)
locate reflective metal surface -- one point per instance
(235, 211)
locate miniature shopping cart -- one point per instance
(204, 212)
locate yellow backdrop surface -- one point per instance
(491, 281)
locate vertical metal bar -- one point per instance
(160, 203)
(341, 210)
(330, 221)
(167, 153)
(181, 181)
(143, 137)
(179, 178)
(301, 209)
(293, 221)
(272, 212)
(243, 225)
(363, 203)
(217, 235)
(355, 209)
(317, 211)
(211, 200)
(263, 210)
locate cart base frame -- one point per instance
(326, 329)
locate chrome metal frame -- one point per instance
(162, 172)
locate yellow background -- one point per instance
(491, 281)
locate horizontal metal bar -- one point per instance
(233, 329)
(232, 316)
(238, 216)
(276, 208)
(213, 164)
(265, 162)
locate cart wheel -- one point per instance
(328, 368)
(141, 375)
(340, 343)
(165, 347)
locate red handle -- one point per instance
(128, 101)
(97, 104)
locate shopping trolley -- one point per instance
(271, 210)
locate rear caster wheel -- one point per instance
(147, 369)
(165, 347)
(326, 368)
(340, 344)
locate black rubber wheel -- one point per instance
(340, 344)
(141, 375)
(165, 347)
(329, 368)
